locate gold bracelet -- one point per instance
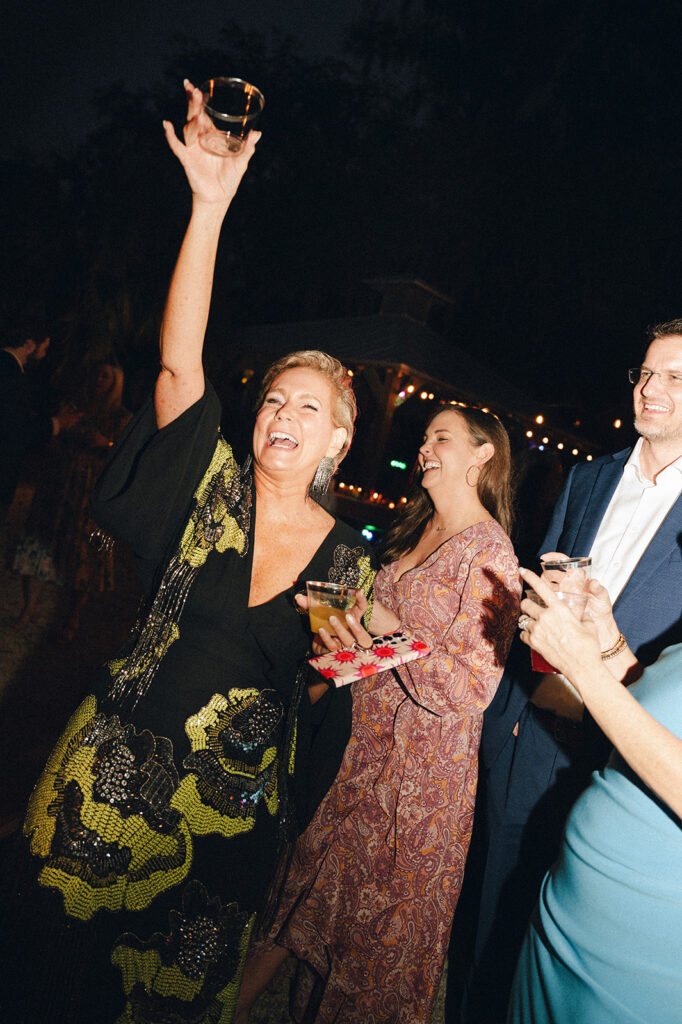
(619, 646)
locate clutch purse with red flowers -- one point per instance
(388, 651)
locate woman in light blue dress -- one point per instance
(604, 945)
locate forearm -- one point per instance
(651, 750)
(181, 379)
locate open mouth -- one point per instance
(654, 408)
(278, 439)
(430, 465)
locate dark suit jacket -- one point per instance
(21, 426)
(648, 610)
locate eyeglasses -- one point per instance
(669, 378)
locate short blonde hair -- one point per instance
(344, 406)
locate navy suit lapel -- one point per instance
(596, 502)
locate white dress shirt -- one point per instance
(634, 514)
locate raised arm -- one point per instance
(651, 750)
(214, 181)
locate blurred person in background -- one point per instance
(61, 541)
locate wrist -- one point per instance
(210, 210)
(607, 632)
(614, 649)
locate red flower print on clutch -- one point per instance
(344, 655)
(345, 666)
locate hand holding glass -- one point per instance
(577, 602)
(231, 107)
(325, 599)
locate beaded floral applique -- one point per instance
(221, 520)
(101, 819)
(233, 763)
(193, 973)
(353, 568)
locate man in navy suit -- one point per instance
(537, 753)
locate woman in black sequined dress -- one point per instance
(154, 827)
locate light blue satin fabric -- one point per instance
(605, 942)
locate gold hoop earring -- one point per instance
(466, 476)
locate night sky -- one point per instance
(559, 218)
(56, 54)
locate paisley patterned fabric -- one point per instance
(375, 878)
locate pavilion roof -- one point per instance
(395, 340)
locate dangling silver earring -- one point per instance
(322, 479)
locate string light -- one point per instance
(574, 452)
(618, 424)
(589, 458)
(391, 504)
(529, 433)
(540, 419)
(431, 395)
(410, 389)
(545, 440)
(560, 446)
(424, 395)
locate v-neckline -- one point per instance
(302, 574)
(455, 536)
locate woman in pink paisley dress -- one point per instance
(368, 902)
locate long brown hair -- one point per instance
(493, 487)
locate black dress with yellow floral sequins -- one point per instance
(154, 828)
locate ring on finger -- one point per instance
(524, 622)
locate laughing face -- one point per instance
(294, 427)
(448, 451)
(658, 406)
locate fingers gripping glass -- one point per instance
(669, 378)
